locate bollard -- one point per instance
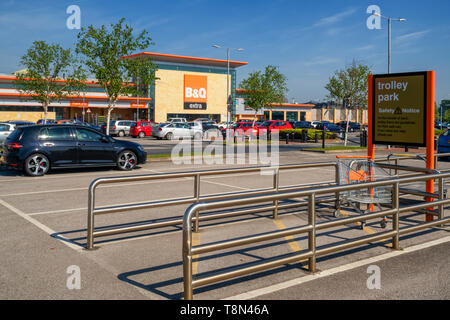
(287, 138)
(323, 139)
(316, 137)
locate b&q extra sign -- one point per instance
(195, 92)
(399, 109)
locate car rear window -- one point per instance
(15, 135)
(4, 127)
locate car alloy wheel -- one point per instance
(127, 160)
(37, 165)
(169, 136)
(121, 134)
(141, 134)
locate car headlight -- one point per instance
(140, 147)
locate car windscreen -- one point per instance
(266, 124)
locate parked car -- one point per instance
(48, 121)
(142, 129)
(177, 120)
(302, 125)
(329, 127)
(119, 128)
(244, 128)
(20, 123)
(222, 125)
(268, 126)
(5, 130)
(203, 120)
(443, 144)
(176, 130)
(209, 128)
(314, 124)
(352, 126)
(39, 148)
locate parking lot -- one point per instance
(43, 232)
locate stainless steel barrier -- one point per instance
(311, 254)
(196, 176)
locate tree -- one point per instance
(45, 66)
(349, 87)
(264, 89)
(103, 51)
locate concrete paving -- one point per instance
(43, 233)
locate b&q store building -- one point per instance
(186, 87)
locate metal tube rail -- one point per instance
(196, 175)
(311, 228)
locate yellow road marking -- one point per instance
(367, 229)
(295, 247)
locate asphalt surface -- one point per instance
(43, 235)
(165, 147)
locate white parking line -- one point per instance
(284, 285)
(44, 228)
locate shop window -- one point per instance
(292, 116)
(277, 115)
(302, 116)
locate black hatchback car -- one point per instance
(37, 149)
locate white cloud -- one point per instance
(412, 36)
(334, 18)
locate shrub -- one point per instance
(311, 134)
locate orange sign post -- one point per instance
(401, 112)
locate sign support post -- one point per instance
(430, 134)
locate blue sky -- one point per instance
(307, 40)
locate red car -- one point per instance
(269, 125)
(241, 128)
(142, 129)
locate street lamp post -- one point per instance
(228, 80)
(389, 39)
(389, 35)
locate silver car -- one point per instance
(171, 131)
(119, 127)
(5, 131)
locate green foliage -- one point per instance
(311, 134)
(45, 66)
(103, 50)
(446, 116)
(263, 89)
(349, 86)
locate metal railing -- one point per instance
(196, 197)
(312, 253)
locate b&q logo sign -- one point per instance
(195, 92)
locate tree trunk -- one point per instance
(346, 127)
(45, 112)
(108, 118)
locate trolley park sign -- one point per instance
(399, 109)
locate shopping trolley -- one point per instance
(354, 170)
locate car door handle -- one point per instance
(81, 144)
(49, 144)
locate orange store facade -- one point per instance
(90, 106)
